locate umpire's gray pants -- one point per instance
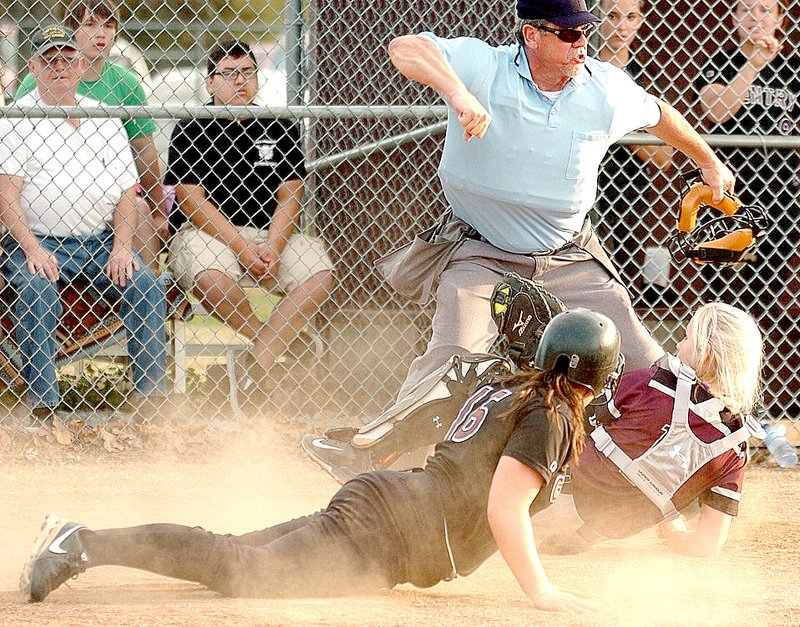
(463, 324)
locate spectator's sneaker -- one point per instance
(341, 459)
(57, 556)
(251, 384)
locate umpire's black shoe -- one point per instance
(341, 459)
(58, 555)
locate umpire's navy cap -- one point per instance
(566, 13)
(52, 36)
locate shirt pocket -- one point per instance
(585, 154)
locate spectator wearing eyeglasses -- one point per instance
(67, 201)
(751, 87)
(96, 24)
(239, 185)
(528, 126)
(625, 193)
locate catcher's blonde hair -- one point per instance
(728, 355)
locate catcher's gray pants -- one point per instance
(463, 324)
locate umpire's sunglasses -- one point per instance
(568, 35)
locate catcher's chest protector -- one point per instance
(663, 468)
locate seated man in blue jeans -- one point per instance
(67, 201)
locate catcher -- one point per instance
(672, 434)
(502, 458)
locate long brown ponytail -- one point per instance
(546, 389)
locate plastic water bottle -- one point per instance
(783, 452)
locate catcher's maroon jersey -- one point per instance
(635, 419)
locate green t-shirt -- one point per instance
(116, 86)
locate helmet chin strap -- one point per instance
(611, 384)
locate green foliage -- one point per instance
(187, 29)
(249, 11)
(107, 389)
(100, 389)
(11, 396)
(93, 389)
(194, 379)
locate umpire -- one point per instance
(528, 126)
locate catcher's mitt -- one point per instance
(521, 309)
(725, 239)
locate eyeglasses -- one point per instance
(568, 35)
(231, 75)
(60, 59)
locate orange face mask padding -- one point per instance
(737, 241)
(700, 194)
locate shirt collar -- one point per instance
(521, 62)
(37, 99)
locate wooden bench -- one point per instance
(90, 326)
(188, 342)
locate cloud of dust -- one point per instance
(242, 477)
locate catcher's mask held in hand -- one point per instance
(721, 240)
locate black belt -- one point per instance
(473, 234)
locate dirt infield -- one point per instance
(248, 487)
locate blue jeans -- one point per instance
(143, 310)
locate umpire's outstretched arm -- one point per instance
(674, 129)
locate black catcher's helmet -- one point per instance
(584, 345)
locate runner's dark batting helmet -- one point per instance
(584, 345)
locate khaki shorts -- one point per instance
(193, 251)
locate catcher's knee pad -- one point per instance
(423, 416)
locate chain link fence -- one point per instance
(370, 143)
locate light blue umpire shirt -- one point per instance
(527, 185)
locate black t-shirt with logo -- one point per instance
(465, 462)
(770, 108)
(239, 163)
(767, 176)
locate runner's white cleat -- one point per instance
(57, 556)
